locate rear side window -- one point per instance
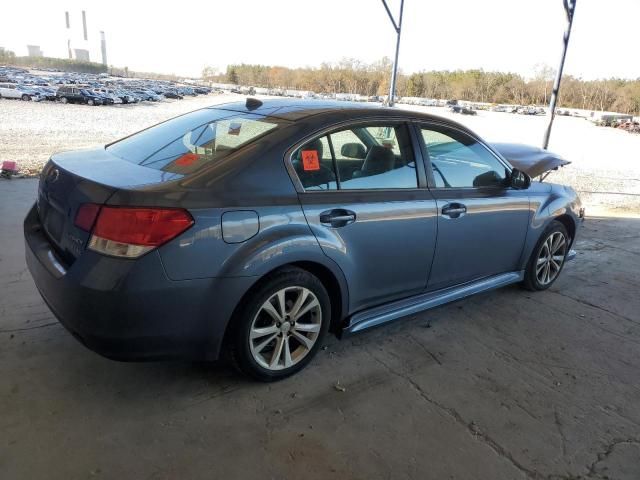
(357, 158)
(186, 143)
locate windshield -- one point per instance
(184, 144)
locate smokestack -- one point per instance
(103, 45)
(68, 23)
(84, 24)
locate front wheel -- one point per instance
(26, 98)
(281, 326)
(548, 258)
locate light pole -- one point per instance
(398, 28)
(569, 8)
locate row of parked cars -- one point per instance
(89, 89)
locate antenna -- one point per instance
(253, 103)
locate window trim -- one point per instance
(327, 130)
(419, 125)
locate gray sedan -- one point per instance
(256, 228)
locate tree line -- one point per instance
(356, 77)
(63, 64)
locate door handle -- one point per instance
(338, 217)
(454, 210)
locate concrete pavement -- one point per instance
(505, 385)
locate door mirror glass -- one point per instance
(519, 180)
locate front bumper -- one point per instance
(128, 309)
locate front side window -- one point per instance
(184, 144)
(460, 161)
(366, 157)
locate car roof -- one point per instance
(292, 109)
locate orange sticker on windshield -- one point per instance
(310, 160)
(186, 160)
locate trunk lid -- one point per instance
(71, 179)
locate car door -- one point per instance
(482, 222)
(12, 92)
(363, 194)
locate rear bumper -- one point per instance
(129, 309)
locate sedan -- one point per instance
(256, 228)
(23, 92)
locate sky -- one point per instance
(181, 38)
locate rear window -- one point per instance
(184, 144)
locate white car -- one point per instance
(14, 90)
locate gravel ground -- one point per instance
(605, 168)
(604, 160)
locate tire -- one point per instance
(258, 341)
(26, 98)
(64, 100)
(90, 102)
(540, 274)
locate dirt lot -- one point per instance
(504, 385)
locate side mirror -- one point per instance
(353, 150)
(519, 180)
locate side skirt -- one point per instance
(408, 306)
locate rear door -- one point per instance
(363, 195)
(482, 222)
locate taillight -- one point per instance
(131, 232)
(86, 216)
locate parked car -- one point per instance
(108, 93)
(255, 228)
(104, 97)
(76, 94)
(147, 95)
(172, 94)
(463, 110)
(126, 96)
(48, 93)
(14, 90)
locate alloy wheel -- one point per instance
(286, 328)
(551, 258)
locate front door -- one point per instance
(363, 201)
(482, 222)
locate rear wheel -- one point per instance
(548, 258)
(281, 326)
(64, 100)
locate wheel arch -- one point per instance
(569, 224)
(331, 278)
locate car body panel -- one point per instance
(486, 240)
(380, 263)
(400, 254)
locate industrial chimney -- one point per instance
(68, 23)
(84, 24)
(103, 46)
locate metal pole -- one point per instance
(398, 28)
(569, 8)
